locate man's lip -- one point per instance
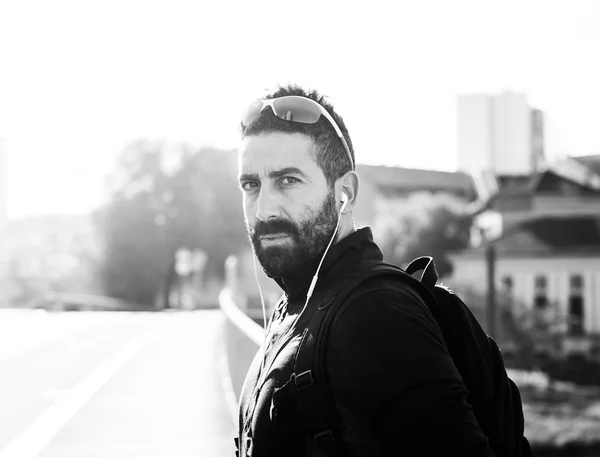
(274, 237)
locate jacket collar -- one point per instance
(358, 245)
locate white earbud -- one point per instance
(344, 199)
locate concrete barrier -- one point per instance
(242, 338)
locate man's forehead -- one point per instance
(262, 154)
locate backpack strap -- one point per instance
(310, 385)
(316, 410)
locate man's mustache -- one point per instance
(275, 227)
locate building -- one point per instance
(591, 162)
(546, 233)
(3, 184)
(393, 183)
(4, 264)
(499, 134)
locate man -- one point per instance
(390, 375)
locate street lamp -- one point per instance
(488, 227)
(490, 262)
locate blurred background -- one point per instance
(129, 311)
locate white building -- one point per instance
(560, 276)
(500, 134)
(548, 249)
(3, 184)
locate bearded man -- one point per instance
(393, 386)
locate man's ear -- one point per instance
(348, 184)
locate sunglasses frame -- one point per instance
(270, 102)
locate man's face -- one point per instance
(289, 209)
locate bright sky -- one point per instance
(79, 79)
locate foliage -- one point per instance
(165, 197)
(44, 254)
(423, 224)
(533, 339)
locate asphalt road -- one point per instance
(113, 384)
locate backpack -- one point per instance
(494, 397)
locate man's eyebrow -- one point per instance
(249, 177)
(286, 171)
(273, 174)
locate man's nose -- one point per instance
(267, 205)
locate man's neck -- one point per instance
(347, 228)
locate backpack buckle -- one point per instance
(325, 442)
(303, 380)
(324, 305)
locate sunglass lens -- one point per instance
(252, 111)
(297, 109)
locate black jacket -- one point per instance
(390, 374)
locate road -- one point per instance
(77, 384)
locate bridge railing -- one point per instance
(242, 335)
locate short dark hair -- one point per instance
(331, 155)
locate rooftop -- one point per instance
(411, 179)
(590, 161)
(550, 236)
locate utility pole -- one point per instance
(490, 257)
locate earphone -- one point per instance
(344, 201)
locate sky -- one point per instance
(79, 80)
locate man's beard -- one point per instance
(308, 239)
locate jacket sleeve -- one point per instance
(394, 382)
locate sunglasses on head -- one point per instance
(295, 108)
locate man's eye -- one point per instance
(288, 180)
(249, 185)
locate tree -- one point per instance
(423, 224)
(164, 197)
